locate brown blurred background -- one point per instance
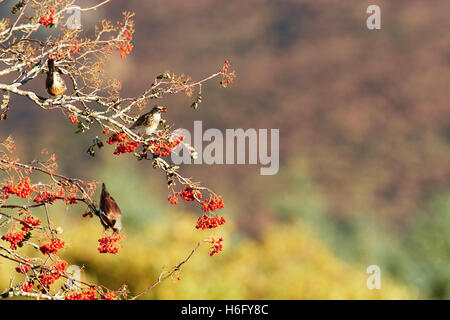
(364, 121)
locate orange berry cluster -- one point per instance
(227, 78)
(225, 67)
(52, 247)
(49, 18)
(125, 48)
(50, 197)
(164, 148)
(48, 277)
(213, 204)
(60, 266)
(23, 268)
(29, 222)
(88, 294)
(87, 214)
(57, 55)
(125, 143)
(28, 286)
(190, 194)
(117, 137)
(207, 222)
(73, 119)
(216, 246)
(23, 189)
(173, 199)
(127, 35)
(107, 244)
(110, 295)
(75, 48)
(70, 197)
(16, 239)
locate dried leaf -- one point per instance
(4, 106)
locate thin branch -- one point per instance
(174, 269)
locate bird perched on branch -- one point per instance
(148, 122)
(110, 214)
(54, 84)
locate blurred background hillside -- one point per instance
(364, 121)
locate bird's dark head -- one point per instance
(51, 65)
(158, 109)
(105, 192)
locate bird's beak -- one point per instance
(164, 109)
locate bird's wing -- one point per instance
(112, 209)
(109, 212)
(48, 82)
(106, 223)
(140, 121)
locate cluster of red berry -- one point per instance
(213, 204)
(49, 18)
(207, 222)
(60, 266)
(190, 194)
(107, 244)
(225, 67)
(216, 246)
(75, 48)
(173, 199)
(48, 197)
(87, 294)
(23, 268)
(29, 222)
(15, 239)
(125, 48)
(110, 295)
(127, 35)
(28, 286)
(227, 78)
(57, 55)
(87, 214)
(70, 196)
(125, 143)
(23, 189)
(70, 200)
(52, 247)
(73, 119)
(48, 277)
(164, 148)
(117, 137)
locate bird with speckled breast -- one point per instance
(54, 83)
(147, 123)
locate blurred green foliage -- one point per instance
(418, 254)
(287, 262)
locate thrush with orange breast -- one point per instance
(110, 214)
(54, 83)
